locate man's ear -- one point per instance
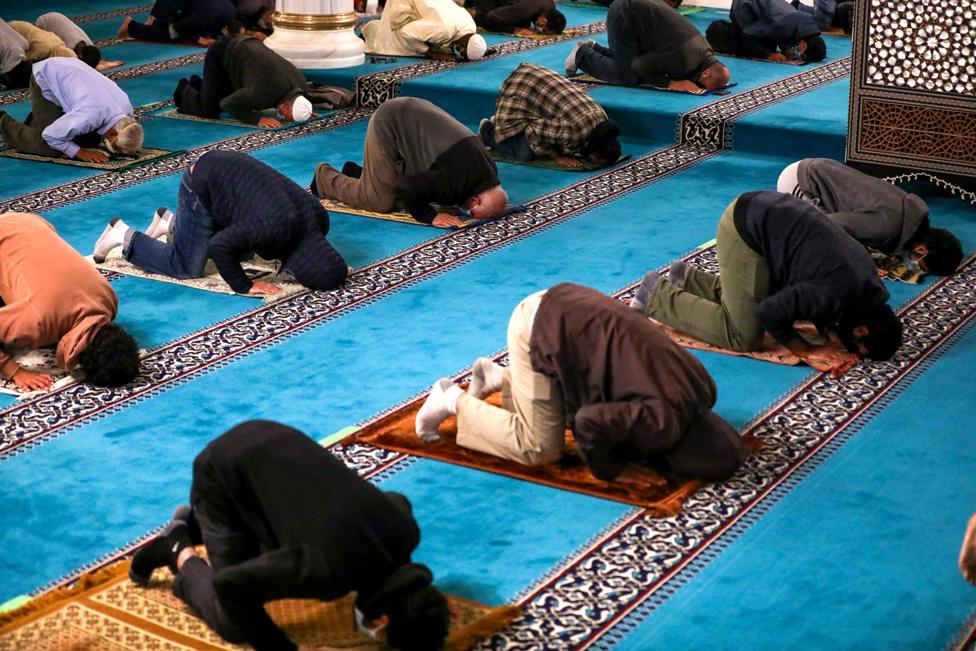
(860, 331)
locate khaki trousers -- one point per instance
(529, 428)
(373, 190)
(30, 139)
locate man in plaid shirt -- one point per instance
(541, 113)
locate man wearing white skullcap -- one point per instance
(242, 76)
(424, 27)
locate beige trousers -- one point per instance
(529, 428)
(371, 191)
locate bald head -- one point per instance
(715, 76)
(488, 204)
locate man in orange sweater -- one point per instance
(50, 295)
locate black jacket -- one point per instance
(818, 272)
(506, 15)
(256, 209)
(260, 77)
(670, 46)
(320, 530)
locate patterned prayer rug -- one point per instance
(115, 161)
(405, 218)
(549, 164)
(771, 351)
(787, 62)
(684, 11)
(43, 360)
(891, 267)
(210, 281)
(567, 33)
(105, 611)
(590, 79)
(395, 431)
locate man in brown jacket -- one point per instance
(628, 392)
(50, 295)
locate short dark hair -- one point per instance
(816, 49)
(112, 357)
(555, 21)
(945, 251)
(419, 621)
(90, 55)
(723, 36)
(607, 152)
(884, 333)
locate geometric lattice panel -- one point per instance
(926, 132)
(925, 45)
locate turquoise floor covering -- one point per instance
(837, 561)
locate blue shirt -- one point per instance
(90, 101)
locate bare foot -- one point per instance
(124, 29)
(967, 555)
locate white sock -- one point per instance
(113, 236)
(441, 403)
(571, 67)
(486, 378)
(160, 224)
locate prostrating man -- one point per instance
(779, 262)
(74, 109)
(425, 28)
(73, 36)
(876, 213)
(243, 76)
(542, 114)
(15, 70)
(768, 29)
(50, 295)
(419, 157)
(650, 43)
(230, 207)
(281, 518)
(199, 21)
(629, 393)
(519, 17)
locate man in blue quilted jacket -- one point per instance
(232, 206)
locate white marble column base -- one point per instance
(333, 48)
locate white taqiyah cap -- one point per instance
(301, 109)
(476, 47)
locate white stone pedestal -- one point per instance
(316, 34)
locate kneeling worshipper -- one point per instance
(418, 157)
(876, 213)
(519, 17)
(425, 28)
(780, 261)
(281, 518)
(182, 21)
(541, 114)
(15, 70)
(650, 43)
(256, 16)
(71, 35)
(628, 392)
(830, 13)
(50, 295)
(230, 207)
(243, 76)
(74, 108)
(42, 44)
(768, 29)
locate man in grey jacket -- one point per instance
(876, 213)
(243, 76)
(650, 43)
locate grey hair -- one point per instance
(128, 136)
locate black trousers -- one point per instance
(205, 102)
(228, 543)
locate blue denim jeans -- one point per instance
(613, 64)
(186, 253)
(514, 148)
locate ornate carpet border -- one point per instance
(965, 640)
(711, 125)
(804, 429)
(121, 75)
(378, 87)
(112, 13)
(26, 424)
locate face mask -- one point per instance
(911, 263)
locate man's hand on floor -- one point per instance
(827, 358)
(31, 381)
(261, 288)
(567, 161)
(268, 123)
(445, 220)
(683, 84)
(777, 57)
(640, 477)
(525, 31)
(91, 156)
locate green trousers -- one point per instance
(28, 138)
(720, 310)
